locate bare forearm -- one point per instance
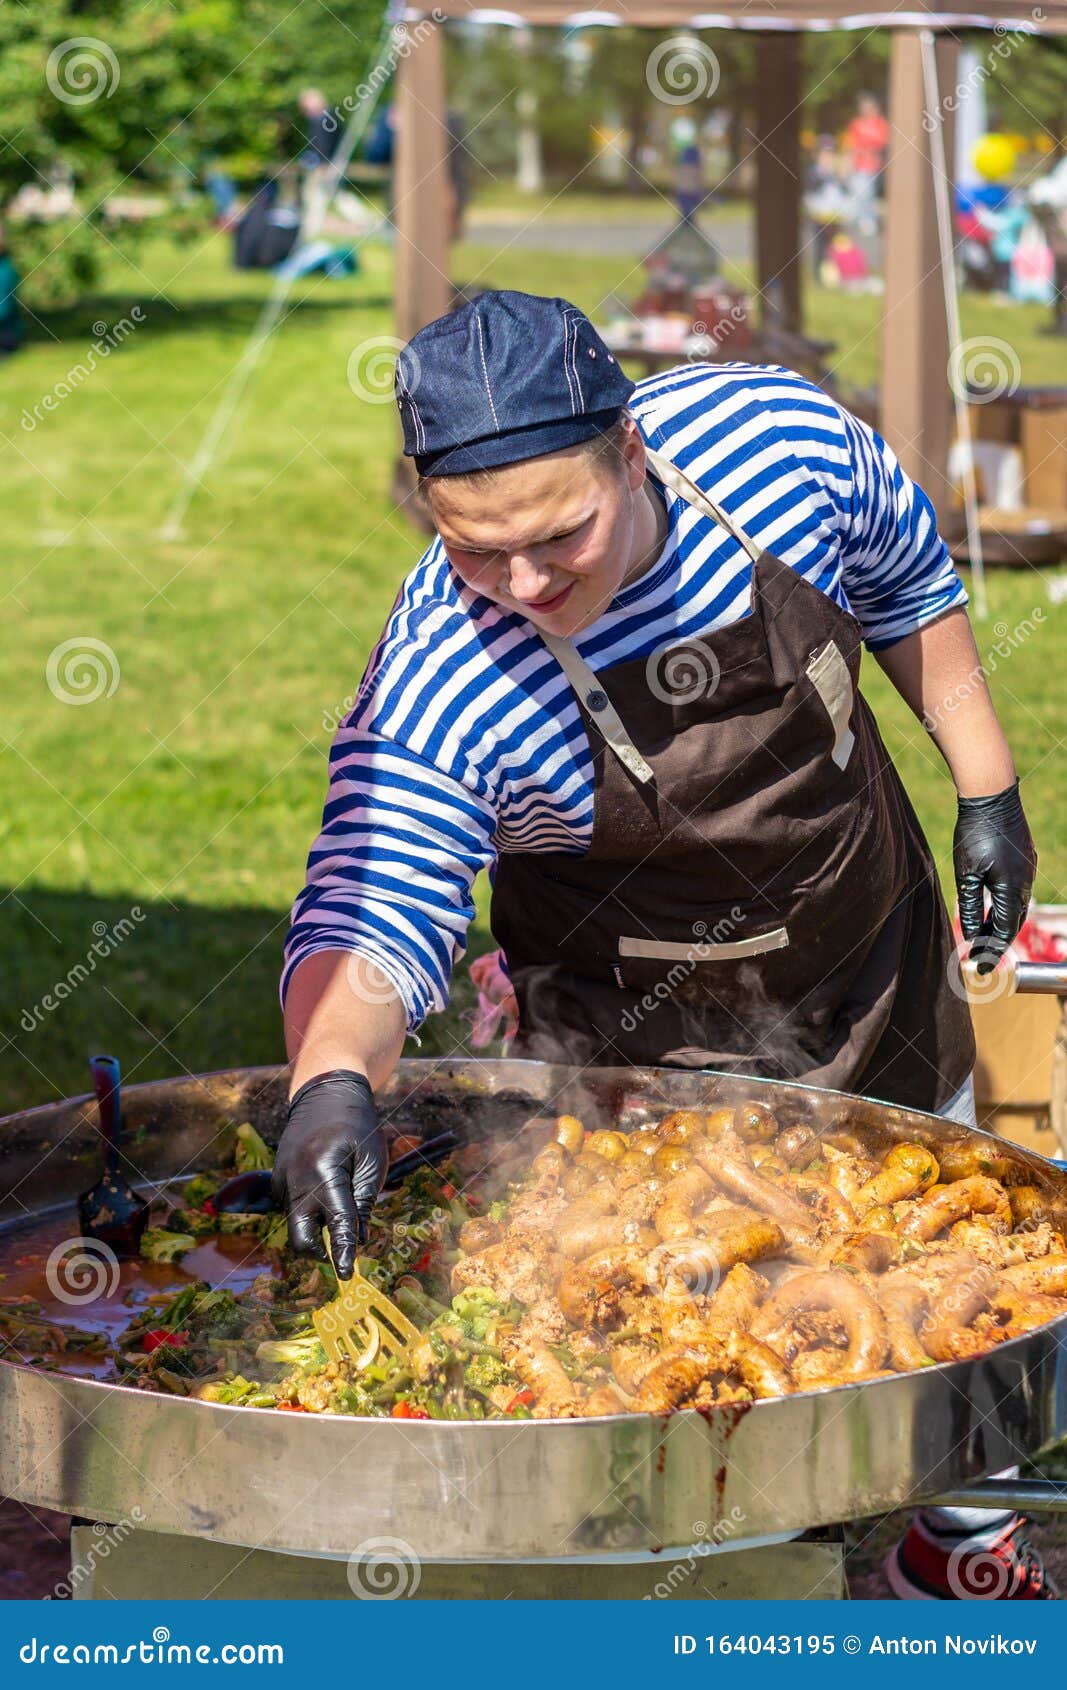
(335, 1017)
(938, 673)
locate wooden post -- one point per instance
(778, 177)
(420, 208)
(916, 409)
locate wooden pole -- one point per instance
(916, 410)
(778, 178)
(421, 202)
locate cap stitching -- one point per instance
(420, 432)
(568, 318)
(576, 323)
(485, 372)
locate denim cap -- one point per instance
(507, 377)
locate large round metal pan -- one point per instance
(496, 1490)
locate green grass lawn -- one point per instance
(190, 794)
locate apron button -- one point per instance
(596, 700)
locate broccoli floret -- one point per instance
(193, 1221)
(250, 1152)
(159, 1245)
(485, 1371)
(199, 1189)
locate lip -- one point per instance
(546, 606)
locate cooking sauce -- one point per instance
(100, 1296)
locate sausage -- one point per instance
(1047, 1276)
(904, 1304)
(590, 1233)
(698, 1264)
(942, 1207)
(945, 1333)
(682, 1195)
(832, 1209)
(589, 1291)
(728, 1164)
(838, 1294)
(870, 1252)
(554, 1394)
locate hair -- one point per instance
(608, 446)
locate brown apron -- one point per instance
(758, 895)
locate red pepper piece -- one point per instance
(521, 1399)
(159, 1337)
(403, 1410)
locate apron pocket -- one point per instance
(696, 970)
(829, 675)
(729, 950)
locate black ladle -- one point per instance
(111, 1211)
(250, 1194)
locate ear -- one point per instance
(633, 451)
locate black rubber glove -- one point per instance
(992, 848)
(330, 1166)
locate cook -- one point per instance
(624, 677)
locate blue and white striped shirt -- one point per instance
(465, 739)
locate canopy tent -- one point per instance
(916, 398)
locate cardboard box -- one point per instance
(1044, 443)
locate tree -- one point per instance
(138, 91)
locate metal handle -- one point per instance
(1025, 1496)
(1050, 977)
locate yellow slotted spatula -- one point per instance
(362, 1323)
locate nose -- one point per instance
(527, 580)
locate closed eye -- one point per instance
(549, 539)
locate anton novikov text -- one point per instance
(953, 1644)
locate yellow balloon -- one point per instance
(993, 156)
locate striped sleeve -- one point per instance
(390, 876)
(895, 567)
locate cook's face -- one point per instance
(551, 538)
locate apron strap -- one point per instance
(601, 710)
(673, 477)
(583, 679)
